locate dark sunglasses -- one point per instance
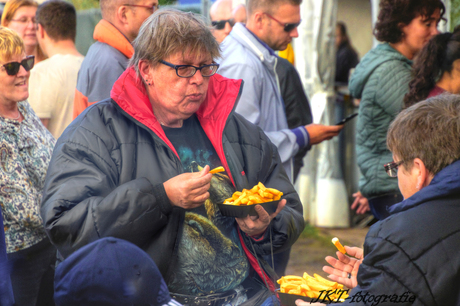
(12, 68)
(392, 168)
(220, 24)
(288, 27)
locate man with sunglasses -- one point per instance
(221, 19)
(248, 54)
(108, 58)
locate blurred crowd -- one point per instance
(107, 195)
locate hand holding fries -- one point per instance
(343, 265)
(256, 225)
(189, 190)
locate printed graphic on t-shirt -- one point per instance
(210, 257)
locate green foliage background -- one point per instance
(455, 13)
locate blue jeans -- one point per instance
(32, 274)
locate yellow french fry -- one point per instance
(217, 170)
(273, 191)
(338, 245)
(324, 281)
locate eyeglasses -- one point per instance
(25, 20)
(288, 27)
(187, 71)
(153, 7)
(392, 168)
(12, 68)
(220, 24)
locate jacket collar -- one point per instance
(105, 32)
(445, 183)
(256, 46)
(130, 95)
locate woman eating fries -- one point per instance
(136, 167)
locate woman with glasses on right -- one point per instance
(380, 81)
(413, 253)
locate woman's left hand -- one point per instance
(345, 268)
(256, 225)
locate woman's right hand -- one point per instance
(189, 190)
(345, 265)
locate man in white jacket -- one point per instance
(248, 54)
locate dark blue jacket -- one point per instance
(6, 291)
(416, 249)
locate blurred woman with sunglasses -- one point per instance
(436, 69)
(19, 15)
(25, 148)
(380, 81)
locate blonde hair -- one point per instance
(12, 6)
(11, 44)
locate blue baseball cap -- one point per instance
(110, 271)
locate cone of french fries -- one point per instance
(309, 287)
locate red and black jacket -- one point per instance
(108, 168)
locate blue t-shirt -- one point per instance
(210, 256)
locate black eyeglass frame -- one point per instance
(392, 168)
(177, 67)
(12, 68)
(288, 27)
(220, 24)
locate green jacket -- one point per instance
(380, 80)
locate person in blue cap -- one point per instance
(110, 271)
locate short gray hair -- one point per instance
(428, 130)
(169, 31)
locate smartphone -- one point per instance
(345, 120)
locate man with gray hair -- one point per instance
(108, 57)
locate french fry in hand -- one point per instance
(256, 195)
(338, 245)
(217, 170)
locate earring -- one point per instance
(147, 82)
